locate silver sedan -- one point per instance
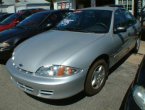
(76, 55)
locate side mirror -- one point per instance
(46, 26)
(119, 29)
(16, 21)
(49, 25)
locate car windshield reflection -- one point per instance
(91, 21)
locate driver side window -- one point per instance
(119, 20)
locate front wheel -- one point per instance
(96, 77)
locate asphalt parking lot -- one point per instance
(109, 98)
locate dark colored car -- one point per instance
(15, 18)
(142, 15)
(135, 96)
(4, 16)
(36, 23)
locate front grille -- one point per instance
(45, 93)
(25, 88)
(28, 89)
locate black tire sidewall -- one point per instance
(89, 90)
(137, 45)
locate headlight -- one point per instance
(139, 96)
(4, 45)
(56, 71)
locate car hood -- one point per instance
(53, 47)
(8, 34)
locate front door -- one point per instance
(121, 39)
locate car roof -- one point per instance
(31, 9)
(52, 11)
(110, 8)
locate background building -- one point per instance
(128, 4)
(11, 6)
(134, 6)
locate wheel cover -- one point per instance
(98, 77)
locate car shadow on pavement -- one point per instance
(120, 62)
(3, 62)
(61, 102)
(123, 104)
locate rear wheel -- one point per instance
(96, 77)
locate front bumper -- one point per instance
(51, 88)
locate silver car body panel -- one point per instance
(48, 50)
(52, 88)
(74, 49)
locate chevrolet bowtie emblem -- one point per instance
(20, 65)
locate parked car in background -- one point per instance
(15, 18)
(135, 96)
(33, 10)
(36, 23)
(76, 55)
(4, 16)
(142, 15)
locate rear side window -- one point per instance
(32, 21)
(130, 19)
(25, 15)
(52, 18)
(10, 19)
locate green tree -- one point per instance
(51, 4)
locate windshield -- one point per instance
(97, 21)
(34, 20)
(9, 19)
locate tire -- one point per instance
(96, 80)
(137, 46)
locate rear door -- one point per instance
(132, 28)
